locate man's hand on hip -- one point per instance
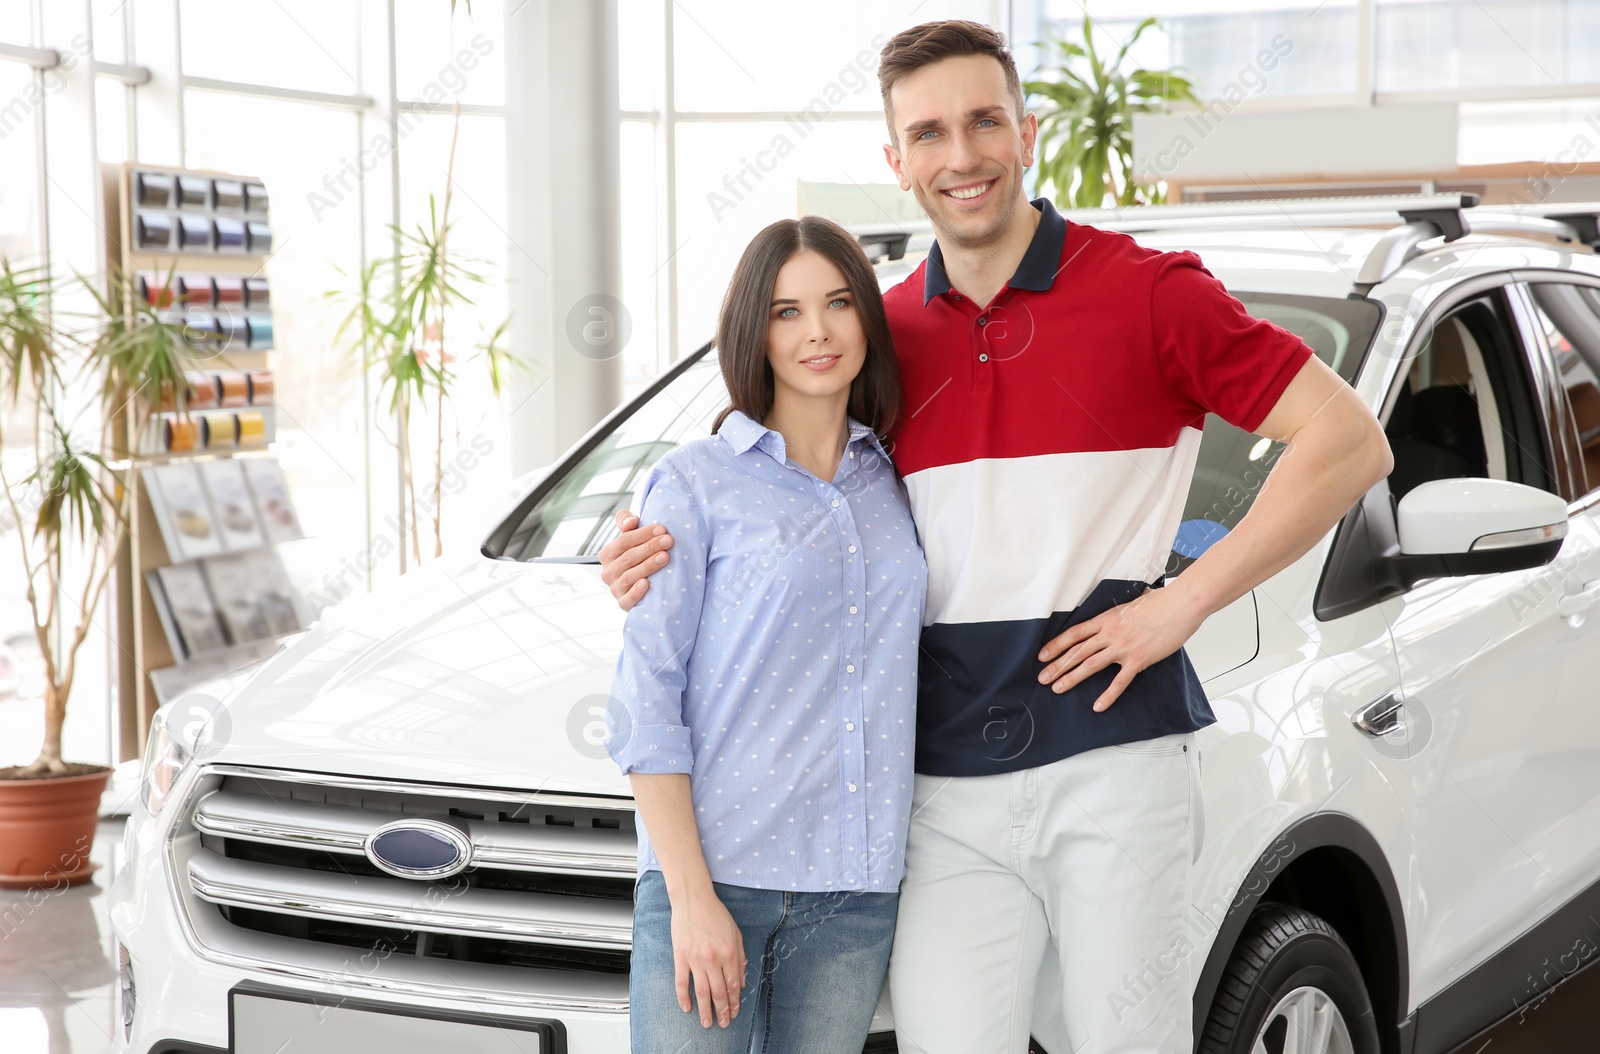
(1134, 636)
(629, 559)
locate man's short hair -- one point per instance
(920, 46)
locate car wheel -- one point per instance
(1292, 986)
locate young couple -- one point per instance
(933, 717)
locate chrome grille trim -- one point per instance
(537, 988)
(432, 790)
(343, 829)
(580, 922)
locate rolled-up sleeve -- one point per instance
(645, 728)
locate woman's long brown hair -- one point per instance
(875, 398)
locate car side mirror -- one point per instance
(1442, 529)
(1471, 526)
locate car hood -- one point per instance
(480, 672)
(474, 671)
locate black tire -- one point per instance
(1283, 949)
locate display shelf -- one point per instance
(192, 245)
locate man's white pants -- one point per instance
(1051, 900)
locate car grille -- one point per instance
(550, 886)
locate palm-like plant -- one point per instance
(1085, 113)
(396, 325)
(70, 512)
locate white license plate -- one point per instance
(267, 1025)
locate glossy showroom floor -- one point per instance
(58, 979)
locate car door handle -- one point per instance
(1578, 597)
(1379, 717)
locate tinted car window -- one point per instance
(574, 516)
(1233, 464)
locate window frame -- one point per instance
(1570, 448)
(1351, 578)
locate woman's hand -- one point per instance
(707, 950)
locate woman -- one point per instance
(767, 680)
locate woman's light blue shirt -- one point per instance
(774, 659)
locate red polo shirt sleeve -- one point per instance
(1214, 355)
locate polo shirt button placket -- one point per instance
(981, 376)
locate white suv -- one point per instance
(404, 827)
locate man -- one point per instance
(1056, 380)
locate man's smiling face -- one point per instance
(961, 150)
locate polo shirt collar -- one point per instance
(741, 433)
(1036, 271)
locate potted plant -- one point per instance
(396, 326)
(1085, 112)
(69, 514)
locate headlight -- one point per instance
(165, 755)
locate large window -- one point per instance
(758, 105)
(309, 45)
(1453, 50)
(1429, 45)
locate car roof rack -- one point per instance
(885, 244)
(1411, 219)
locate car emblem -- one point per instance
(419, 848)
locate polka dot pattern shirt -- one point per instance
(774, 660)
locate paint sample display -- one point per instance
(153, 230)
(234, 389)
(230, 234)
(153, 189)
(260, 387)
(194, 192)
(261, 331)
(195, 290)
(230, 290)
(194, 233)
(229, 194)
(180, 435)
(155, 291)
(219, 430)
(252, 428)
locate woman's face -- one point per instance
(814, 338)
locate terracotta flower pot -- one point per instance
(47, 828)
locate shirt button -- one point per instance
(852, 548)
(852, 788)
(981, 358)
(849, 726)
(836, 503)
(852, 609)
(982, 321)
(849, 669)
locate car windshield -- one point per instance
(572, 515)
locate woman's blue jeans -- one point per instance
(815, 964)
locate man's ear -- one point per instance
(896, 165)
(1030, 136)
